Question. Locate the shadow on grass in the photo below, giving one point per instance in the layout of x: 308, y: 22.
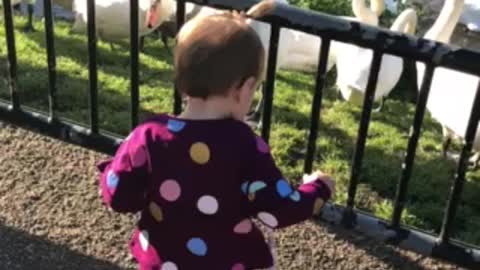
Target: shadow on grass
x: 116, y: 62
x: 73, y: 97
x: 20, y: 250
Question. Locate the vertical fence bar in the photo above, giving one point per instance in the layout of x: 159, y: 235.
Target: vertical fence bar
x: 317, y: 104
x: 412, y: 147
x: 92, y: 66
x: 134, y: 103
x: 177, y: 99
x: 270, y: 81
x: 51, y: 58
x: 456, y: 193
x: 12, y: 55
x: 362, y: 135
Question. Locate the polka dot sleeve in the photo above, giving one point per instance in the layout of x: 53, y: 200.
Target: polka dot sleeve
x: 123, y: 179
x: 272, y: 199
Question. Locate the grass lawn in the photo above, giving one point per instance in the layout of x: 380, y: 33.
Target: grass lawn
x: 386, y: 144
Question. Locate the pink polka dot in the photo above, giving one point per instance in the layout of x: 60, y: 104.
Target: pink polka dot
x: 238, y: 266
x: 262, y: 145
x: 245, y: 226
x: 170, y: 190
x: 139, y: 157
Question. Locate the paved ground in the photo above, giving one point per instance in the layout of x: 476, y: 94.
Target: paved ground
x: 51, y: 218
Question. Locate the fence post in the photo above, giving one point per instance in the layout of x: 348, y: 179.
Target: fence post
x: 134, y: 81
x: 92, y: 66
x: 317, y: 104
x: 12, y: 54
x: 412, y: 147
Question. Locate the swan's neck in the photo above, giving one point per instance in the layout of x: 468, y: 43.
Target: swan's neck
x: 406, y: 22
x: 363, y: 13
x: 443, y: 27
x: 377, y: 6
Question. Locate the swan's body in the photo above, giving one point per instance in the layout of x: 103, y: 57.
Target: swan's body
x: 352, y: 79
x: 113, y: 17
x: 452, y: 92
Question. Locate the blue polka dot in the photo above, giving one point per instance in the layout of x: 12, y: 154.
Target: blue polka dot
x: 283, y: 188
x: 175, y: 125
x: 112, y: 180
x: 256, y: 186
x: 295, y: 196
x: 197, y: 246
x: 244, y: 187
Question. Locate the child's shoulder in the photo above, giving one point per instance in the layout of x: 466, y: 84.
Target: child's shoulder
x: 164, y: 121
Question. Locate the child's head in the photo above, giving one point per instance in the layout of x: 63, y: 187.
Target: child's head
x: 221, y: 56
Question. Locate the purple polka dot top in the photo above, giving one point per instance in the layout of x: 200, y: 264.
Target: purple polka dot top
x: 198, y: 184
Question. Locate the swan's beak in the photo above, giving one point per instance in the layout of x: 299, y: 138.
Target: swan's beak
x: 151, y: 17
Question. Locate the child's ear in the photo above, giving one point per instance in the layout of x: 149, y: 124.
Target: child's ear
x: 249, y: 84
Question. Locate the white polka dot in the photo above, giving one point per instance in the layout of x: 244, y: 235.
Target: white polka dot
x: 143, y: 238
x: 207, y: 205
x: 268, y: 219
x: 169, y: 266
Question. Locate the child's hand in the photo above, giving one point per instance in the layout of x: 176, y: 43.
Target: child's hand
x: 323, y: 177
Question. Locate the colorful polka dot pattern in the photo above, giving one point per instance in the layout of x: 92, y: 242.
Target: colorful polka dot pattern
x: 268, y: 219
x: 245, y: 226
x: 317, y: 206
x: 169, y: 266
x: 200, y: 153
x: 197, y: 246
x: 295, y: 196
x: 175, y: 125
x: 208, y: 205
x: 283, y: 188
x: 238, y: 266
x: 156, y: 211
x: 170, y: 190
x: 256, y: 186
x: 112, y: 181
x: 262, y: 145
x: 244, y: 187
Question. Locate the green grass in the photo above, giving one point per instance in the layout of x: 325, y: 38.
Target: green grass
x: 386, y: 144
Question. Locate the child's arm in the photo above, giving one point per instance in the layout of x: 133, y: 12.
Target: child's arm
x: 123, y: 178
x: 273, y: 200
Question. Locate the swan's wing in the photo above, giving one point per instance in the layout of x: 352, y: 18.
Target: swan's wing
x: 451, y: 98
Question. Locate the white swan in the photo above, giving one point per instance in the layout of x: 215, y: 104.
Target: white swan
x: 304, y: 48
x: 452, y: 92
x: 113, y: 17
x: 352, y: 79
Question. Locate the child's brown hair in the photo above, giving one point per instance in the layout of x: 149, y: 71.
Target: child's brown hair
x: 216, y: 52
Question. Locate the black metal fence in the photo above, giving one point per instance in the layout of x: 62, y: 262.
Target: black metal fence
x: 328, y: 28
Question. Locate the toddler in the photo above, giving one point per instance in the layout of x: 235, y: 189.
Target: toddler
x: 199, y: 178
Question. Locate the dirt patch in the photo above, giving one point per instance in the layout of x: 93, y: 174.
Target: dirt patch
x: 51, y: 217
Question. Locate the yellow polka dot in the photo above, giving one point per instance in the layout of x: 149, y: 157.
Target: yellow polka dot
x: 317, y: 206
x: 251, y: 196
x: 200, y: 153
x: 156, y: 211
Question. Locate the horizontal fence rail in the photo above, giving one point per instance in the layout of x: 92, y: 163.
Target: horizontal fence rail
x: 328, y: 28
